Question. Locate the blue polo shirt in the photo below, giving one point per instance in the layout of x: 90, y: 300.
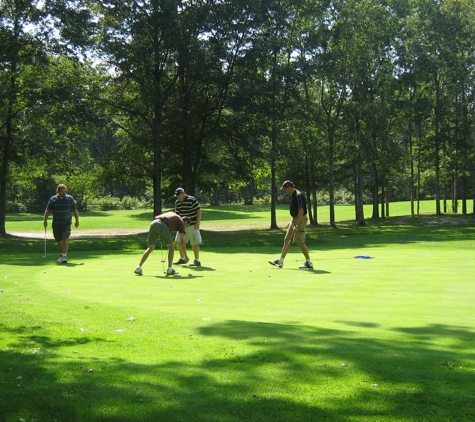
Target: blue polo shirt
x: 62, y: 209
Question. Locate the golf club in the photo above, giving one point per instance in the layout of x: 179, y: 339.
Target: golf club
x: 163, y: 261
x: 44, y: 256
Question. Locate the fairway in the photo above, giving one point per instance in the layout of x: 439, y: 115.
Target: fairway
x: 388, y: 338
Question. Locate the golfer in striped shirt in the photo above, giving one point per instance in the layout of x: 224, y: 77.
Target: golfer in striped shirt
x: 188, y: 206
x: 62, y: 206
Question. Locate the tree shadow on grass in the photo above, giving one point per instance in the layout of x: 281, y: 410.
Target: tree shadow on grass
x: 347, y: 237
x: 74, y: 259
x: 384, y: 232
x: 262, y: 372
x: 213, y: 214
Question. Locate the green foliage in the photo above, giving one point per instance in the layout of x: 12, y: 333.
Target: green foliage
x: 229, y: 98
x: 109, y: 203
x: 342, y: 197
x: 15, y: 207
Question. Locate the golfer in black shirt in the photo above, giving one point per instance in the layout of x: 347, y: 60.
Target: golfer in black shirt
x: 296, y: 227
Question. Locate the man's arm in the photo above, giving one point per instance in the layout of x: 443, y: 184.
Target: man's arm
x: 45, y: 218
x: 182, y: 240
x: 298, y: 219
x: 198, y: 220
x: 76, y: 216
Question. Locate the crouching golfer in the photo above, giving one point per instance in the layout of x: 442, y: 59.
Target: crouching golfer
x: 163, y: 227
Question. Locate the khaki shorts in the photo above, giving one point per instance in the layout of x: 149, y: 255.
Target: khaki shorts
x: 191, y: 234
x: 299, y: 236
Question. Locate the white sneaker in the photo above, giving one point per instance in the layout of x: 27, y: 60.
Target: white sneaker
x: 138, y: 271
x: 60, y: 258
x: 171, y: 271
x: 64, y: 260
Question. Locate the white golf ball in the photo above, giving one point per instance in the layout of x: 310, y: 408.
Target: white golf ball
x: 269, y: 275
x: 250, y: 271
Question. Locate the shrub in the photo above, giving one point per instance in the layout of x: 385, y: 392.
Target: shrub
x: 129, y: 203
x: 15, y: 206
x: 108, y: 203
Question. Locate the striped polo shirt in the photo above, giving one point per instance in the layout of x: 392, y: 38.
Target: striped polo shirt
x: 188, y: 208
x: 62, y: 209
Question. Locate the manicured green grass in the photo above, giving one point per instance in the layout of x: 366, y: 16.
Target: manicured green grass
x: 239, y: 217
x: 382, y: 339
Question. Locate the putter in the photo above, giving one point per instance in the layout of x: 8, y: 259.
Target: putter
x: 163, y: 261
x: 44, y: 256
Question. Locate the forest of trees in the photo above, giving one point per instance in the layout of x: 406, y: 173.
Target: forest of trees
x: 373, y: 100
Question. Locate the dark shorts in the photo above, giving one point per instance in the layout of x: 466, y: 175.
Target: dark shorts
x: 61, y: 231
x: 159, y: 230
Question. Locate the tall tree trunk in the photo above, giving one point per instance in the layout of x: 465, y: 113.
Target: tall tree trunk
x: 411, y: 163
x: 386, y: 196
x: 5, y: 164
x: 249, y: 194
x: 4, y: 173
x: 464, y: 194
x: 273, y: 217
x: 307, y: 189
x: 444, y: 196
x: 473, y: 169
x: 375, y: 190
x: 419, y: 157
x: 331, y: 179
x: 454, y: 192
x: 227, y: 201
x: 157, y: 177
x: 314, y: 193
x: 437, y: 146
x: 359, y: 178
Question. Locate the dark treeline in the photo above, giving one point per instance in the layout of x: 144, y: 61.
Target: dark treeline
x: 358, y: 101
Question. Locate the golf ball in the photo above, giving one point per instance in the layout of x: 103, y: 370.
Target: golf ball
x: 250, y: 271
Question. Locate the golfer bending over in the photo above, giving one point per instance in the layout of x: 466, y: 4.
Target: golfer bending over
x: 296, y: 227
x: 163, y: 227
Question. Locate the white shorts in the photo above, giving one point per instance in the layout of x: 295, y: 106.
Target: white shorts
x: 192, y: 235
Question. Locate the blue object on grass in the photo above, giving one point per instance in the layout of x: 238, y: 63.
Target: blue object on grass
x: 363, y: 256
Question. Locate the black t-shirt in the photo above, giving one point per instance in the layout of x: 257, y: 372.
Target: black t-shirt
x: 297, y: 200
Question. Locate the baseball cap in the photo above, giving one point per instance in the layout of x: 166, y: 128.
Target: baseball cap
x: 287, y: 184
x: 179, y: 191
